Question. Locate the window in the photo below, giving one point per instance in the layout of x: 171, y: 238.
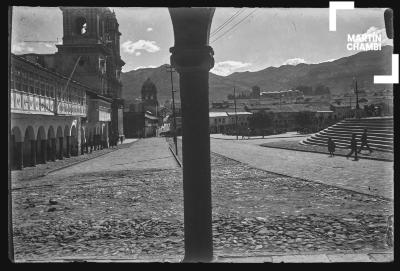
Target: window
x: 42, y: 89
x: 81, y: 26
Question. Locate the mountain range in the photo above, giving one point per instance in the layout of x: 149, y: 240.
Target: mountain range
x: 337, y: 75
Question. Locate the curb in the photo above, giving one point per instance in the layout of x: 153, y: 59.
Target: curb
x: 343, y: 155
x: 261, y: 138
x: 176, y: 157
x: 307, y: 180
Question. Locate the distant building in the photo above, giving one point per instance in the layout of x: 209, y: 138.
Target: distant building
x: 142, y: 117
x: 222, y: 122
x: 149, y: 97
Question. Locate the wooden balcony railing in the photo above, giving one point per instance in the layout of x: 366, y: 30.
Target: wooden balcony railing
x: 29, y: 103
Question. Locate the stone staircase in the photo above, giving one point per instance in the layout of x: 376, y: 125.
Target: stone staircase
x: 379, y: 129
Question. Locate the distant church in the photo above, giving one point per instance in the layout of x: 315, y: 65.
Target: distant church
x: 149, y: 97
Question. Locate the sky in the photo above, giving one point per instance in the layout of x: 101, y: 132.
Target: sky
x: 255, y: 39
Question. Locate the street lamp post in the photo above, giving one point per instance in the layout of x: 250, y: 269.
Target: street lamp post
x: 171, y: 70
x: 236, y: 119
x: 192, y: 57
x: 357, y: 105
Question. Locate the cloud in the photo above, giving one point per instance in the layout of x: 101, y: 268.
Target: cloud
x: 145, y: 67
x: 20, y: 47
x: 149, y: 29
x: 146, y: 45
x: 382, y: 32
x: 48, y: 45
x: 294, y: 61
x: 225, y: 68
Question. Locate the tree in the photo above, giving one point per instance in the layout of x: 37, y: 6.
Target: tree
x: 304, y: 119
x: 260, y: 120
x: 322, y: 90
x: 305, y: 89
x: 255, y: 91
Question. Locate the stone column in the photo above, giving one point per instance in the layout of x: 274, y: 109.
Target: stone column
x: 18, y: 155
x: 193, y: 58
x: 61, y: 153
x: 53, y: 149
x: 33, y: 153
x: 68, y: 152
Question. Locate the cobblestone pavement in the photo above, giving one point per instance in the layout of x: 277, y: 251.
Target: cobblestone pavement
x: 138, y: 213
x: 366, y: 176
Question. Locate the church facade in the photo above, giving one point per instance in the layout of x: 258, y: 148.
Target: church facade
x: 62, y: 104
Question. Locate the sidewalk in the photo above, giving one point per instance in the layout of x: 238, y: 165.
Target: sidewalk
x: 40, y: 170
x: 311, y: 258
x: 298, y: 146
x: 288, y: 258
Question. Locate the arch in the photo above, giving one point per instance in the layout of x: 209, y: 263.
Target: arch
x: 67, y: 131
x: 16, y: 132
x: 29, y: 133
x: 50, y: 132
x: 59, y: 132
x: 73, y: 131
x: 41, y: 134
x: 74, y: 140
x: 80, y: 25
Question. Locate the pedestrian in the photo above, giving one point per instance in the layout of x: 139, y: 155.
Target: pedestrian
x: 331, y: 147
x: 364, y: 142
x: 353, y: 147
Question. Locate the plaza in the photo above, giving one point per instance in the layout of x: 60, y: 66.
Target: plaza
x: 124, y: 207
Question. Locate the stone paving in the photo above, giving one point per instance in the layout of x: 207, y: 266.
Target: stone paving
x: 105, y: 210
x: 366, y: 176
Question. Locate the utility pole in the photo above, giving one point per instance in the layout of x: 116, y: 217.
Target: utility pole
x: 357, y: 105
x: 170, y: 69
x: 236, y: 127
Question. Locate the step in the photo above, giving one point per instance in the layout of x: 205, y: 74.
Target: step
x: 358, y: 136
x: 360, y: 131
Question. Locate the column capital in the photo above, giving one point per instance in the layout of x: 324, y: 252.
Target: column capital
x: 199, y: 58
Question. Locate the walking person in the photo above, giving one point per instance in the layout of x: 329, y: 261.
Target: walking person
x: 353, y: 147
x: 331, y: 147
x: 364, y: 142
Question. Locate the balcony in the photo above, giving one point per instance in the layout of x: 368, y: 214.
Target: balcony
x: 29, y: 103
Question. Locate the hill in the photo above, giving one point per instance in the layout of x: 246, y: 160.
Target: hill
x: 337, y: 75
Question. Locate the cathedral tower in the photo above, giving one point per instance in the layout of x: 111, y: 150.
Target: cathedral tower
x: 91, y: 42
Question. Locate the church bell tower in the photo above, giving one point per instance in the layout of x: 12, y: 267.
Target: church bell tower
x: 91, y: 41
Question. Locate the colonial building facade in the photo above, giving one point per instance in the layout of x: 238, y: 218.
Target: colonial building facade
x: 64, y: 103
